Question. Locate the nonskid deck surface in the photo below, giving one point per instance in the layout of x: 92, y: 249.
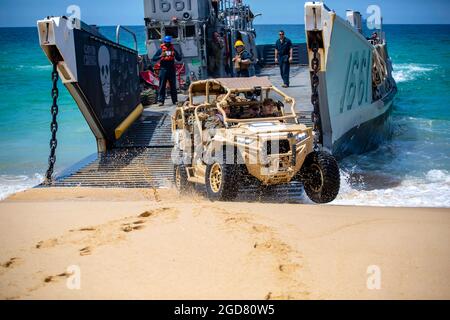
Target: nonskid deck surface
x: 153, y: 130
x: 142, y: 157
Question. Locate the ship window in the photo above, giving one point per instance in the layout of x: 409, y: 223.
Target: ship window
x: 190, y: 32
x: 172, y: 31
x: 154, y: 34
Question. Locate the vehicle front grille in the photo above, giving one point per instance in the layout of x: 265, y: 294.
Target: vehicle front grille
x: 277, y: 147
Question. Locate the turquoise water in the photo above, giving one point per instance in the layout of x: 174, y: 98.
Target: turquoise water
x: 412, y: 169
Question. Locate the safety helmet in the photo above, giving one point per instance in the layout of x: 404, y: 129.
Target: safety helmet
x: 239, y: 43
x: 167, y: 39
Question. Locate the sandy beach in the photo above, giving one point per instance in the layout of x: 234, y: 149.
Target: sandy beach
x: 143, y: 244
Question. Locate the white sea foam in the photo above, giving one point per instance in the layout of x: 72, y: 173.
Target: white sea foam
x: 432, y: 190
x: 10, y: 184
x: 411, y: 71
x: 44, y: 67
x: 25, y: 67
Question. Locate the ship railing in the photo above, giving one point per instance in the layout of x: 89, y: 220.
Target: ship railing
x: 237, y: 16
x: 119, y: 27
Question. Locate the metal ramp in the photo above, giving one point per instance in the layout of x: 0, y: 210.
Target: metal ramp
x: 153, y: 130
x: 140, y: 159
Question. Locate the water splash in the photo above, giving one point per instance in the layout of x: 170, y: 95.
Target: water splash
x: 10, y: 184
x: 411, y: 71
x: 431, y: 190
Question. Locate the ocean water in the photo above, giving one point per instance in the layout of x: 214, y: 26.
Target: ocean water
x: 412, y: 169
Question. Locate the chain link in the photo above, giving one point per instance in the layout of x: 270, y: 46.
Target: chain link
x: 53, y: 126
x: 315, y: 66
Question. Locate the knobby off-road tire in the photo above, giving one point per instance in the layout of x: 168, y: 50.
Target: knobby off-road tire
x: 180, y: 179
x: 221, y: 181
x: 320, y: 177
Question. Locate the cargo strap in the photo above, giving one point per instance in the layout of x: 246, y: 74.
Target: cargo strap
x: 53, y: 126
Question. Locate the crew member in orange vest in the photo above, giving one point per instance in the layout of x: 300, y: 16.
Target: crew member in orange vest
x: 167, y: 55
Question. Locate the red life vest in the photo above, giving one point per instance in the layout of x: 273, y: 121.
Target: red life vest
x: 168, y: 52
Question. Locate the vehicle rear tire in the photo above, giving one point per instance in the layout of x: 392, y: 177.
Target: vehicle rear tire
x: 180, y: 179
x: 221, y: 182
x: 149, y: 97
x: 321, y: 177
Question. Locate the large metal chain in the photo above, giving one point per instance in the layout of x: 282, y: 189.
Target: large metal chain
x: 53, y: 126
x: 315, y: 66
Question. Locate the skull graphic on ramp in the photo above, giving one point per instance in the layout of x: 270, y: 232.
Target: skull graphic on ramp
x: 104, y: 63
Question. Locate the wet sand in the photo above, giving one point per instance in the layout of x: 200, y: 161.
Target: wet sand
x: 142, y: 244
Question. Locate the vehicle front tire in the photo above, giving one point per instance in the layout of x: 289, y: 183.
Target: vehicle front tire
x: 221, y: 182
x: 320, y: 177
x: 180, y: 179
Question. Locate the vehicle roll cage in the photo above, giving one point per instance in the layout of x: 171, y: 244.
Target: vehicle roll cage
x: 216, y: 87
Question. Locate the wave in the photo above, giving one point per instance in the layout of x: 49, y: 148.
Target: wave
x: 10, y: 184
x: 411, y: 71
x: 430, y: 190
x: 21, y: 67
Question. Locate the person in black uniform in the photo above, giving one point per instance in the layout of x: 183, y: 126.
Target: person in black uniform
x: 167, y: 55
x: 284, y: 56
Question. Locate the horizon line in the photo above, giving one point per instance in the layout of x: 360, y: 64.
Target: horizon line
x: 256, y: 24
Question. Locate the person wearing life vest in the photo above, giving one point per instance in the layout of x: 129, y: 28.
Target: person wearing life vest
x: 242, y: 60
x: 166, y: 56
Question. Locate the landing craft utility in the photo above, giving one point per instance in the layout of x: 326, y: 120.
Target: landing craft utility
x: 351, y: 82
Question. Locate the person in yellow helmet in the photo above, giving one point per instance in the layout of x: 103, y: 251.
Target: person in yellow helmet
x: 242, y: 60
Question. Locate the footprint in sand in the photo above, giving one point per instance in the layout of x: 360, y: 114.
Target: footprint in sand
x: 57, y: 277
x: 284, y: 296
x: 10, y: 263
x: 146, y: 214
x: 87, y: 251
x: 137, y: 225
x: 266, y: 242
x: 88, y: 229
x: 92, y: 237
x: 47, y: 244
x: 289, y: 268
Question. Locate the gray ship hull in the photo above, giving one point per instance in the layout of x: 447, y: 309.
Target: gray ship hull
x: 354, y: 102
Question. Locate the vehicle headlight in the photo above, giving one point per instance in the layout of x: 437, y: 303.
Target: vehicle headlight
x: 244, y: 140
x: 301, y: 137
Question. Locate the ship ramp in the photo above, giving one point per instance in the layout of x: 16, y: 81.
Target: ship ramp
x: 142, y: 157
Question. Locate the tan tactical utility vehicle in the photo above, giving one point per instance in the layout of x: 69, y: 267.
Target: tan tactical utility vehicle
x: 232, y: 129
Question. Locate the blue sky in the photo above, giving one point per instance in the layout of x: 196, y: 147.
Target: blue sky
x: 130, y: 12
